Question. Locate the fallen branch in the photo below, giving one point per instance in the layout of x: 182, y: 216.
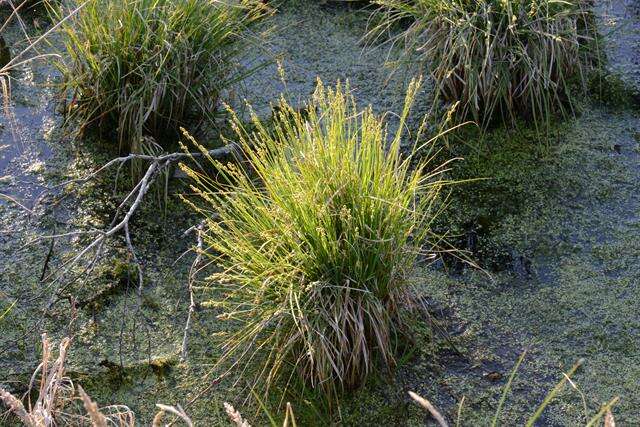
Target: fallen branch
x: 129, y: 205
x: 120, y: 222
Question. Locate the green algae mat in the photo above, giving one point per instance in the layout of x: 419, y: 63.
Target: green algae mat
x: 554, y: 226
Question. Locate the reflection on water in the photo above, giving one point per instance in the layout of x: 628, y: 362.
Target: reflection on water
x: 26, y: 128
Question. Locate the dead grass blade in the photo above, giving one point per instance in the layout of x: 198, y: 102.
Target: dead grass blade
x: 429, y: 407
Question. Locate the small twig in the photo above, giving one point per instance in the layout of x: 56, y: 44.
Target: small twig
x: 47, y: 258
x: 192, y: 304
x: 122, y: 326
x: 16, y: 202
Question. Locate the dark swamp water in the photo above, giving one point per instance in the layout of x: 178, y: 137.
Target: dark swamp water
x: 556, y: 228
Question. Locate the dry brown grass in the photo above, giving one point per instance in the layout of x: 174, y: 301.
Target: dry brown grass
x: 58, y: 399
x: 57, y: 395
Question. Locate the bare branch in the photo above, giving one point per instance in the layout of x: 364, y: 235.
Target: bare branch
x: 157, y: 165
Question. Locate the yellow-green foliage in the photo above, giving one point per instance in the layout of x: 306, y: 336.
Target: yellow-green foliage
x: 316, y: 235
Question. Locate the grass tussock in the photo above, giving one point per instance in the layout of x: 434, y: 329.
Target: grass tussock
x: 316, y: 237
x: 500, y: 59
x: 146, y: 67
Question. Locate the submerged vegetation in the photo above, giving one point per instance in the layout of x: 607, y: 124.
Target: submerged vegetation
x: 499, y: 59
x: 316, y: 241
x: 136, y: 68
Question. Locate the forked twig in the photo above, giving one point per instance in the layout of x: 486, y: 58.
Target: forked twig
x: 129, y: 205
